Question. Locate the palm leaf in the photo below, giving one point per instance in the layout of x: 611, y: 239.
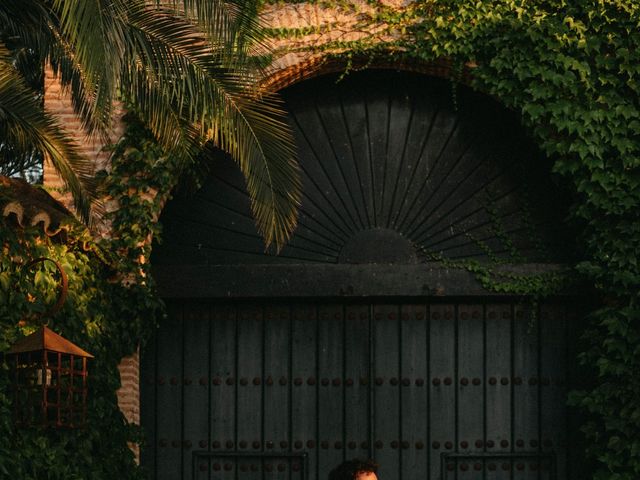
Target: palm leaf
x: 38, y: 39
x: 26, y: 21
x: 222, y: 102
x: 26, y: 126
x: 230, y: 25
x: 93, y: 38
x: 186, y: 64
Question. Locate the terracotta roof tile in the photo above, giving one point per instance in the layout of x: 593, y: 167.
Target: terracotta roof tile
x: 29, y: 205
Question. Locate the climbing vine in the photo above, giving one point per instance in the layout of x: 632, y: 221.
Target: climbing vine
x: 105, y: 318
x: 568, y: 68
x: 110, y: 311
x: 571, y: 69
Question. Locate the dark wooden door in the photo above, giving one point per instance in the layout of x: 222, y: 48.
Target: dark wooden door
x: 286, y: 391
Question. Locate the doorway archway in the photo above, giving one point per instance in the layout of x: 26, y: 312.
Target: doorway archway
x: 352, y: 342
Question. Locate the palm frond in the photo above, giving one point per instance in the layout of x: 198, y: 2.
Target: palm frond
x: 34, y: 31
x: 95, y: 120
x: 230, y: 25
x: 27, y: 23
x: 183, y: 73
x: 93, y: 38
x: 187, y: 65
x: 26, y: 126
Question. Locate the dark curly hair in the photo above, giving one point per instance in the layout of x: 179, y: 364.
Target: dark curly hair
x: 351, y: 468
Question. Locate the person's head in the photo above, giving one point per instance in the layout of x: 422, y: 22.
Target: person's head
x: 355, y: 470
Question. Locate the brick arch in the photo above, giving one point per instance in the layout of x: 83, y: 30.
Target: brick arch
x: 297, y: 70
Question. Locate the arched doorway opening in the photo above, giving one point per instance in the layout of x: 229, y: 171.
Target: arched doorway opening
x: 359, y: 339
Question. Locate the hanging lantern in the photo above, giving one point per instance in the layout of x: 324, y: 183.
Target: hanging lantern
x: 49, y: 378
x: 49, y: 375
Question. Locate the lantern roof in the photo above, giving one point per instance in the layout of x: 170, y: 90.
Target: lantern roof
x: 46, y: 339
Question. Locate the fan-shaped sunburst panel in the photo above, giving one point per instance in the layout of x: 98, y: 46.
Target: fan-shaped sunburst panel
x: 397, y: 168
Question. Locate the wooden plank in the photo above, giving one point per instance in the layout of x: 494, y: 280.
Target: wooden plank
x: 428, y: 159
x: 277, y: 353
x: 414, y: 162
x: 331, y: 433
x: 498, y: 374
x: 321, y: 176
x: 553, y: 398
x: 196, y: 384
x: 377, y: 112
x: 346, y: 175
x: 309, y: 281
x: 456, y: 217
x: 470, y: 381
x: 386, y: 388
x: 454, y: 176
x: 442, y: 389
x: 169, y: 459
x: 358, y: 380
x: 355, y: 114
x: 223, y: 348
x: 414, y: 339
x: 303, y: 383
x: 526, y: 390
x: 445, y: 148
x: 400, y: 113
x: 250, y: 361
x: 337, y: 158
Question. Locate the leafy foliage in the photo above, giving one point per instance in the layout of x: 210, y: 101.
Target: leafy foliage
x: 110, y: 311
x: 571, y: 68
x: 107, y: 319
x: 189, y: 67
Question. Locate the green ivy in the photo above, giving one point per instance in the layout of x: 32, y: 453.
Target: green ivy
x: 94, y: 316
x: 571, y: 69
x: 110, y: 311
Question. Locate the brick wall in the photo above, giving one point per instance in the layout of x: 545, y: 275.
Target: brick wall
x: 129, y: 393
x: 58, y: 102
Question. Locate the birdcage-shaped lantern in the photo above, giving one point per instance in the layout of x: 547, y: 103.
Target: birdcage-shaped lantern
x: 48, y: 377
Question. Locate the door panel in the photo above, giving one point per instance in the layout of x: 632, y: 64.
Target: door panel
x: 391, y: 153
x: 275, y: 391
x: 414, y: 428
x: 442, y: 400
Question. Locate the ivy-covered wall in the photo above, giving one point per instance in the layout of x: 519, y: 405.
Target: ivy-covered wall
x: 111, y: 309
x: 571, y: 69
